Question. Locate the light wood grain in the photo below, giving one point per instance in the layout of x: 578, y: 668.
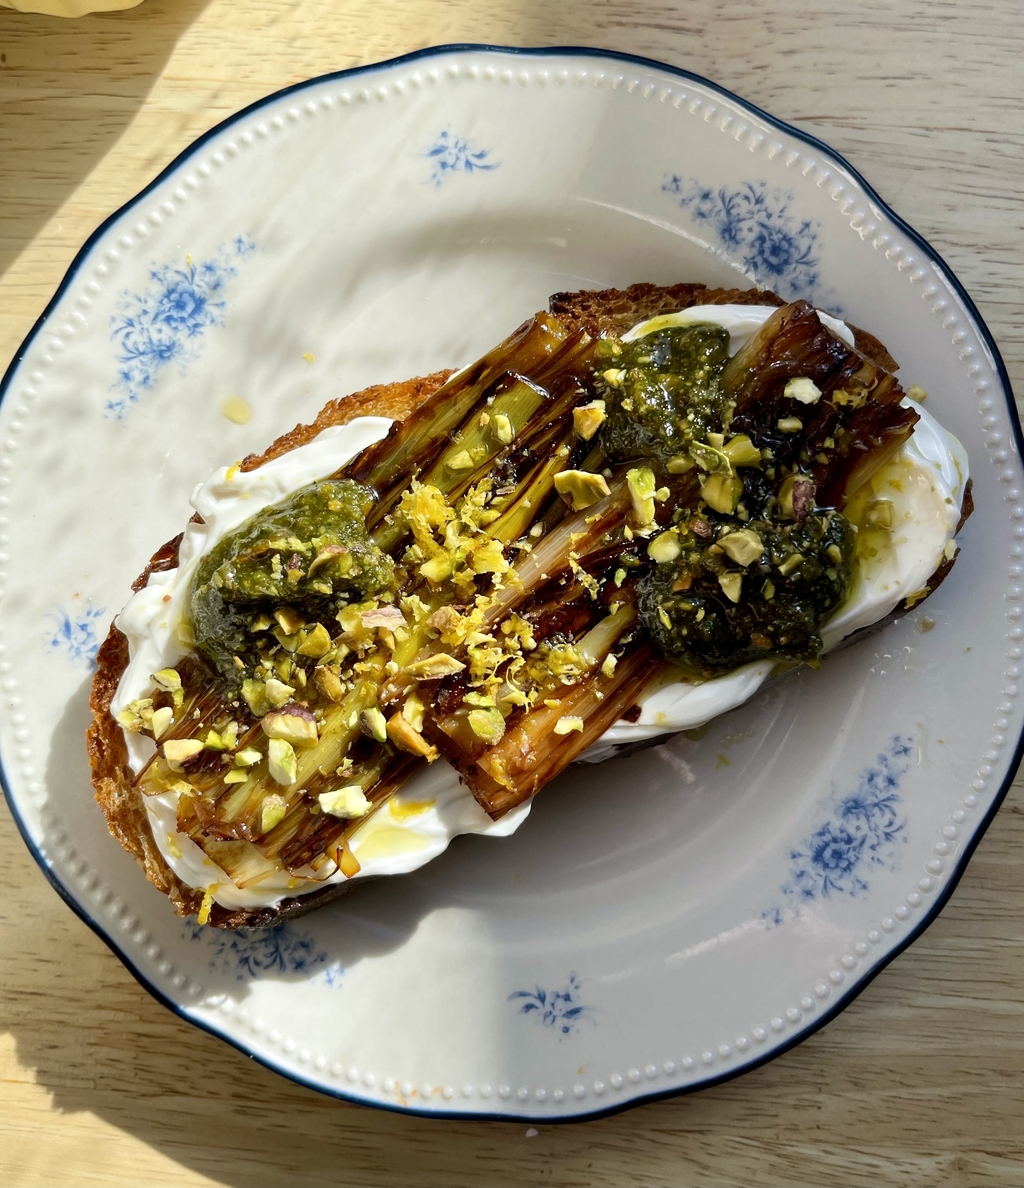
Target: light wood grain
x: 921, y: 1080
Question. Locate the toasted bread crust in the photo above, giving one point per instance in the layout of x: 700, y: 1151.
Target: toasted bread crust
x: 600, y: 312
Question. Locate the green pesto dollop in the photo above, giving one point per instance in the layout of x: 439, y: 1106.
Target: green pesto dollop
x: 785, y: 595
x: 308, y: 551
x: 662, y: 391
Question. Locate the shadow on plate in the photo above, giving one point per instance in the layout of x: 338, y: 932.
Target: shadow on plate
x: 47, y: 65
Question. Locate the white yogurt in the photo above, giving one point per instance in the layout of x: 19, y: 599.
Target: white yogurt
x: 434, y: 807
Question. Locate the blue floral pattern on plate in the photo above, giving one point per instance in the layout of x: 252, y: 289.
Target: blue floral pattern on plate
x: 453, y: 154
x: 166, y: 322
x: 558, y: 1009
x: 865, y: 830
x: 280, y: 949
x: 754, y: 222
x: 74, y: 633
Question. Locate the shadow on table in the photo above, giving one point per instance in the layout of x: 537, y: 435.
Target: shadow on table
x: 105, y: 63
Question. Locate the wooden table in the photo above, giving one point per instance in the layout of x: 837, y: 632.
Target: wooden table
x: 921, y: 1080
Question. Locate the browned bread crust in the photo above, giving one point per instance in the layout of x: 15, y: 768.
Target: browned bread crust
x: 601, y: 312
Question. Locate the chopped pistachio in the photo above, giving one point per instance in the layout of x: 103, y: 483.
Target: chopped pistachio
x: 161, y: 719
x: 437, y: 568
x: 375, y: 724
x: 177, y: 751
x: 316, y: 644
x: 262, y: 621
x: 802, y: 389
x: 789, y: 424
x: 722, y: 492
x: 254, y: 694
x: 879, y: 514
x: 347, y: 803
x: 918, y: 395
x: 272, y: 811
x: 235, y: 775
x: 294, y: 724
x: 835, y: 554
x: 213, y: 741
x: 283, y: 764
x: 614, y: 376
x: 641, y: 485
x: 383, y: 616
x: 680, y: 464
x: 409, y: 740
x: 580, y: 488
x: 619, y: 577
x: 608, y: 667
x: 768, y: 589
x: 665, y: 547
x: 567, y: 723
x: 588, y: 418
x: 412, y: 711
x: 167, y: 679
x: 277, y: 693
x: 432, y: 668
x: 732, y: 585
x: 791, y: 563
x: 487, y: 724
x: 741, y: 451
x: 229, y: 736
x: 289, y: 619
x: 247, y: 757
x: 743, y: 546
x: 503, y: 431
x: 462, y: 460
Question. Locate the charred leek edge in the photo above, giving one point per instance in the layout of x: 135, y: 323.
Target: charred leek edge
x: 510, y: 414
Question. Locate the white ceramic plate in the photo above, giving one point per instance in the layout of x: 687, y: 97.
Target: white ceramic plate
x: 660, y: 922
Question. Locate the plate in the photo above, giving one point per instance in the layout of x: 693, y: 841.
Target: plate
x: 660, y: 922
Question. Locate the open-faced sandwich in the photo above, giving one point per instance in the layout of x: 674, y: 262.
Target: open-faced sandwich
x: 403, y: 620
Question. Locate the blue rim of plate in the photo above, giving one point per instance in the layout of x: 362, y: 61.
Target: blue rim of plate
x: 970, y: 846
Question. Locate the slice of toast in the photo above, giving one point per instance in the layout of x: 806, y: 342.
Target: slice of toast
x: 599, y: 312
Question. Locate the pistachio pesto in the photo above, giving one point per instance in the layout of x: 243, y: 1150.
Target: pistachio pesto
x: 309, y: 551
x: 662, y: 391
x: 741, y: 591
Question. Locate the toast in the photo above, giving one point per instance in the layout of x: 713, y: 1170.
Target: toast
x: 589, y: 315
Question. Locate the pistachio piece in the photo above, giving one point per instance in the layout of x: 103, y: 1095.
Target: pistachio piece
x: 664, y: 547
x: 680, y: 464
x: 328, y: 681
x: 316, y: 644
x: 236, y: 775
x: 277, y: 693
x: 178, y: 751
x: 917, y: 394
x: 588, y: 418
x: 741, y: 451
x: 254, y: 694
x: 409, y: 740
x: 567, y: 723
x: 487, y: 724
x: 789, y: 424
x: 614, y: 376
x: 374, y: 724
x: 412, y: 711
x: 432, y: 668
x: 802, y: 389
x: 283, y: 765
x: 167, y: 679
x: 722, y: 492
x: 347, y: 803
x: 796, y: 497
x: 743, y: 546
x: 462, y: 460
x: 272, y: 811
x: 161, y: 719
x: 437, y: 568
x: 289, y: 619
x: 383, y: 616
x: 732, y: 585
x: 879, y: 514
x: 247, y: 757
x: 503, y: 431
x: 294, y: 723
x: 580, y: 488
x: 641, y: 485
x: 791, y: 563
x: 608, y: 667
